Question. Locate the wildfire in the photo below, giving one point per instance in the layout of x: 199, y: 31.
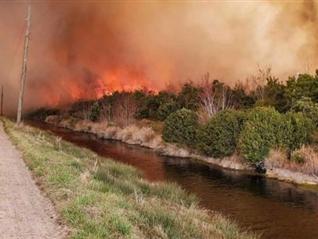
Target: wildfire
x: 111, y: 81
x: 84, y: 51
x: 120, y: 80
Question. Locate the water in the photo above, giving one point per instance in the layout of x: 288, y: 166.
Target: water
x: 272, y: 208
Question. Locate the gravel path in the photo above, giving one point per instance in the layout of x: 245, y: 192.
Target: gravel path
x: 24, y: 212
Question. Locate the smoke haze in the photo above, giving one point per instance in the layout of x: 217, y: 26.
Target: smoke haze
x: 83, y: 49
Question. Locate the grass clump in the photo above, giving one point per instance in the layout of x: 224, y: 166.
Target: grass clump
x: 100, y: 198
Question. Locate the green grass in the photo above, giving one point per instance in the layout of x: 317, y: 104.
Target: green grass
x: 100, y: 198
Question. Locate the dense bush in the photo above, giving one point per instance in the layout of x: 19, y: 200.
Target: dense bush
x: 308, y: 108
x: 266, y: 129
x: 156, y: 107
x: 297, y: 131
x: 218, y: 138
x: 95, y: 112
x: 166, y: 109
x: 189, y: 97
x: 302, y: 85
x: 42, y: 113
x: 240, y: 98
x: 262, y: 131
x: 274, y: 95
x: 181, y: 127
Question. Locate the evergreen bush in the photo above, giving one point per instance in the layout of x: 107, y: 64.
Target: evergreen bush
x: 262, y: 131
x: 218, y: 138
x: 297, y: 131
x: 308, y: 107
x: 181, y: 127
x: 266, y: 129
x: 166, y: 109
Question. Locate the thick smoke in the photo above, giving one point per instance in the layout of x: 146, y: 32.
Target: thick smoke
x: 83, y: 49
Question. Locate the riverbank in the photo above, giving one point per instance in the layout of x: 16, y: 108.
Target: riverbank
x: 146, y: 136
x: 99, y: 198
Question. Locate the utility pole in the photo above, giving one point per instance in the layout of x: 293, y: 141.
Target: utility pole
x: 1, y: 112
x: 24, y: 66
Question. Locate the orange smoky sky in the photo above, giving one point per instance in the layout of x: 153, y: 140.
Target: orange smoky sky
x: 83, y: 49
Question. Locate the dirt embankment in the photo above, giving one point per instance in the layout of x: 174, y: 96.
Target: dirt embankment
x: 145, y: 136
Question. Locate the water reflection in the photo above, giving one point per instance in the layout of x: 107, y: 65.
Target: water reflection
x: 276, y: 209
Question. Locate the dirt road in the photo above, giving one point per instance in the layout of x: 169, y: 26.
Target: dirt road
x: 24, y: 212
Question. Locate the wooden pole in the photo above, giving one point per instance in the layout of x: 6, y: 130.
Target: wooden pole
x: 1, y: 113
x: 1, y: 101
x: 24, y: 66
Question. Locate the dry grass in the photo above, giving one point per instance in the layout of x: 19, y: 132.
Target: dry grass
x: 142, y: 133
x: 310, y: 158
x: 277, y: 159
x: 157, y: 126
x: 304, y: 160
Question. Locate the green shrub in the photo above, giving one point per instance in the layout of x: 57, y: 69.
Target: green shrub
x: 262, y: 131
x: 273, y: 95
x: 181, y: 127
x: 297, y: 131
x: 155, y: 106
x: 302, y: 85
x: 308, y: 108
x: 266, y: 129
x: 218, y: 138
x: 189, y: 97
x: 95, y: 112
x: 166, y: 109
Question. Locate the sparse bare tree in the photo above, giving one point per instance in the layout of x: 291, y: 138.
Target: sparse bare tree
x: 124, y: 109
x: 214, y: 97
x: 86, y: 111
x: 106, y: 111
x: 258, y: 81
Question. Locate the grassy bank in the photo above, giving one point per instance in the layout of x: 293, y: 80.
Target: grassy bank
x: 100, y: 198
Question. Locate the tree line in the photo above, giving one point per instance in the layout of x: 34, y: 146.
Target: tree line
x: 217, y: 119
